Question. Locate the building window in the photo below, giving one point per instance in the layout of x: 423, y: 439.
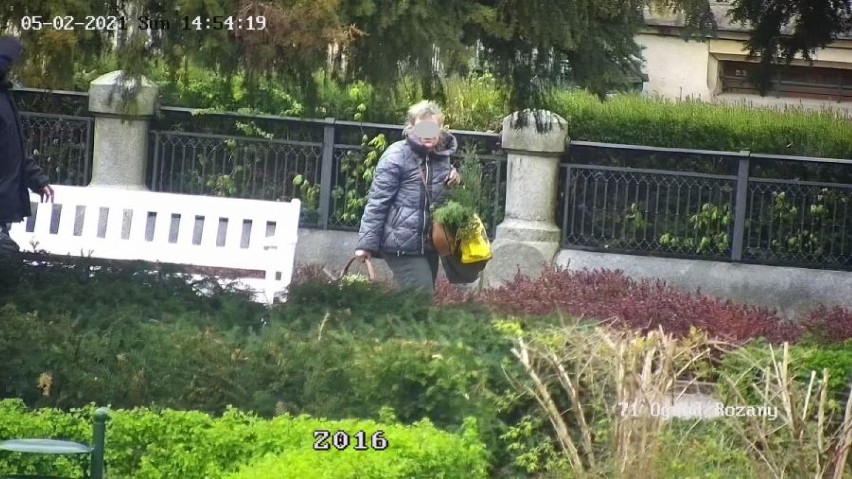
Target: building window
x: 791, y: 81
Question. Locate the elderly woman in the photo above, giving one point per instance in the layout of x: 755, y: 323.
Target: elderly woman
x: 411, y: 176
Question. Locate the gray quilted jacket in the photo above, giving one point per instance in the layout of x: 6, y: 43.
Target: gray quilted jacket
x: 397, y: 220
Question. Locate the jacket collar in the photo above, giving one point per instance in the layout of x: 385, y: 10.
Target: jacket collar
x: 446, y: 146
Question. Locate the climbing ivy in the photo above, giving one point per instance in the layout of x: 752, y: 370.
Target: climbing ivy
x: 804, y: 228
x: 710, y: 232
x: 354, y: 176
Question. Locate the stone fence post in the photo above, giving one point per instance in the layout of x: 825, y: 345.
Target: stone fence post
x: 120, y: 154
x: 528, y: 238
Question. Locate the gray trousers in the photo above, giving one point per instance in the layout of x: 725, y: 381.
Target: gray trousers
x: 414, y: 272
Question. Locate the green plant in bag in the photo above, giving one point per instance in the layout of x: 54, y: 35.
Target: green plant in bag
x: 458, y: 214
x: 453, y: 215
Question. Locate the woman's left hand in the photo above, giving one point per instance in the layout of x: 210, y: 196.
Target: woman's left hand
x: 453, y: 179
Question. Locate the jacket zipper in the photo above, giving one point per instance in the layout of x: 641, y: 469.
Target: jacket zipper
x: 425, y: 208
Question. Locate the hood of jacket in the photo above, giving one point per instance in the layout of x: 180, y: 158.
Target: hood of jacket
x: 10, y: 52
x: 446, y: 147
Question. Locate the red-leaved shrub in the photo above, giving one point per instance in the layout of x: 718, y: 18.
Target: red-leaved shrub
x: 829, y: 324
x: 640, y: 305
x: 447, y: 294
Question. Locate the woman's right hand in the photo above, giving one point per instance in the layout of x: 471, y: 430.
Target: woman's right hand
x: 364, y: 255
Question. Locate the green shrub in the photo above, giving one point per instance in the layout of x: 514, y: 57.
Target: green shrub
x: 16, y: 422
x: 477, y: 103
x: 360, y: 301
x: 49, y: 363
x: 707, y: 449
x: 336, y: 350
x: 417, y: 453
x: 637, y: 120
x: 474, y: 103
x: 745, y: 365
x: 93, y: 295
x: 312, y: 357
x: 148, y: 444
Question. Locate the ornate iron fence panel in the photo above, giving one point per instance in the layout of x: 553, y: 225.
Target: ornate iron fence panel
x: 61, y: 145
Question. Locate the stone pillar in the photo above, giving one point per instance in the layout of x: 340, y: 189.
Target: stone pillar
x: 528, y: 238
x: 120, y: 155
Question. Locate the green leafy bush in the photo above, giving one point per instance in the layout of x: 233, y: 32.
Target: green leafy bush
x: 336, y: 349
x: 162, y: 444
x: 417, y: 453
x: 50, y: 363
x: 139, y: 340
x: 93, y: 292
x: 702, y: 448
x: 474, y: 103
x: 638, y: 120
x: 477, y: 103
x: 745, y: 365
x: 463, y: 202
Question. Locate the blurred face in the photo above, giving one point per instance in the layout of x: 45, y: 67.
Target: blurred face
x: 428, y: 131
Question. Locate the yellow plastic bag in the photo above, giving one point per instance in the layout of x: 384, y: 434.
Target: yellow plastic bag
x: 477, y: 248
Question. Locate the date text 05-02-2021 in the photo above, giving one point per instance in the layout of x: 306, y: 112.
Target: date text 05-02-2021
x: 142, y: 22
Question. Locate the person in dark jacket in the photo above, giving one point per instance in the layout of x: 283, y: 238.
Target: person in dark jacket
x: 18, y: 171
x: 412, y: 175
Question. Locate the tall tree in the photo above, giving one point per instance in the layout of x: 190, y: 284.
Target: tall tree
x: 292, y: 43
x: 52, y: 53
x: 529, y: 44
x: 406, y: 38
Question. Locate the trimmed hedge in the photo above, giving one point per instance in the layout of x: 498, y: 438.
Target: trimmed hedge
x: 49, y: 362
x: 637, y: 120
x: 416, y: 454
x: 340, y: 367
x: 147, y: 444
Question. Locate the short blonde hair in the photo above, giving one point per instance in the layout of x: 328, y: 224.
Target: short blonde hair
x: 421, y: 110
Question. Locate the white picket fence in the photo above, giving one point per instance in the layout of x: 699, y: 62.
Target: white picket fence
x: 196, y: 230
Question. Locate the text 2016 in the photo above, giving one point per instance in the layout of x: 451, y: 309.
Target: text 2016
x: 340, y: 440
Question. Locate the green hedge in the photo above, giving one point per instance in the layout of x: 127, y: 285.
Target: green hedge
x: 346, y: 364
x: 637, y: 120
x: 418, y: 452
x: 143, y: 444
x: 188, y: 367
x: 476, y: 103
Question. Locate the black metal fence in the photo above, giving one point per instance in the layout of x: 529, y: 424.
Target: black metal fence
x: 61, y: 145
x: 744, y: 207
x: 59, y: 131
x: 726, y: 206
x: 325, y: 163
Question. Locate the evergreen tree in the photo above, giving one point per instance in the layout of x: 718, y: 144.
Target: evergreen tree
x: 530, y: 45
x: 292, y: 45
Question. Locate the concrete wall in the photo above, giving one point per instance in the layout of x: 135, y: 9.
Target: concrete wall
x: 676, y: 69
x: 333, y: 249
x: 792, y: 291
